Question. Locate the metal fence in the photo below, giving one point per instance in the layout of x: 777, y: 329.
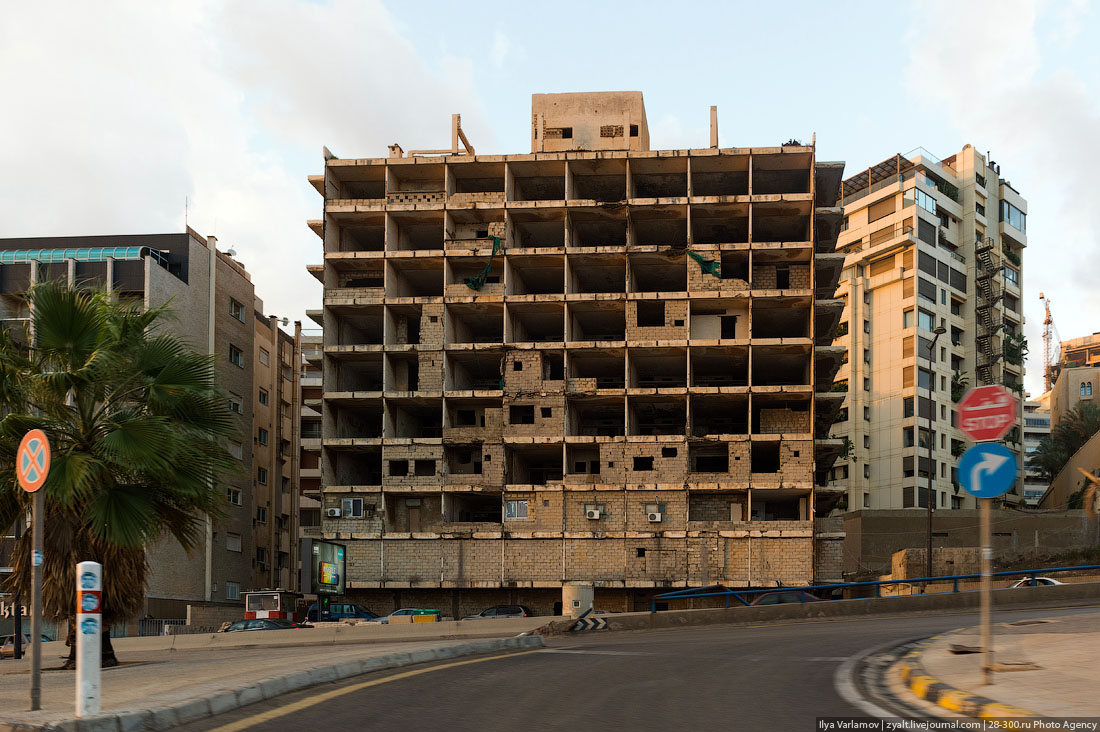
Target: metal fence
x: 914, y: 586
x: 157, y: 626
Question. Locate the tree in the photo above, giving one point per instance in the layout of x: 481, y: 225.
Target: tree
x: 1066, y: 438
x: 135, y: 420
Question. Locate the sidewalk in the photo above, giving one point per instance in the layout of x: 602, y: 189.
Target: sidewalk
x: 1044, y: 668
x: 160, y: 689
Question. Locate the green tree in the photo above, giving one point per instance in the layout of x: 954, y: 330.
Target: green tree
x: 1066, y: 438
x: 135, y: 421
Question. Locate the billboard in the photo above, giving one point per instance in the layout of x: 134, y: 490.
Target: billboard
x: 326, y: 565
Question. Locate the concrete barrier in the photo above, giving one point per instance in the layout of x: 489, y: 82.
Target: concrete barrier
x: 1075, y: 594
x: 331, y: 634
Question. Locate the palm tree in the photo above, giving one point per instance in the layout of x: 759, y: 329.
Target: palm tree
x: 1066, y: 438
x: 135, y: 421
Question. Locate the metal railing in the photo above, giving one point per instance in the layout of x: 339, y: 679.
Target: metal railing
x: 158, y: 626
x: 914, y: 583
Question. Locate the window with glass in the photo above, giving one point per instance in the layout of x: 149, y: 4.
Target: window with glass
x: 1012, y: 275
x: 925, y: 379
x: 232, y: 590
x: 265, y: 357
x: 515, y: 509
x: 262, y: 436
x: 1013, y: 216
x: 925, y: 201
x: 233, y: 496
x: 907, y: 319
x: 926, y: 320
x: 236, y: 309
x: 261, y: 514
x: 264, y: 398
x: 261, y: 476
x: 236, y: 356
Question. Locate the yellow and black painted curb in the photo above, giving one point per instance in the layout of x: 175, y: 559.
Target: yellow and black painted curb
x: 933, y: 690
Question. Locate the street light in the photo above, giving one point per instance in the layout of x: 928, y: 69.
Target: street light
x: 931, y: 442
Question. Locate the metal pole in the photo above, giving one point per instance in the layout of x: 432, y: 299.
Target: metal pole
x: 987, y: 589
x: 17, y: 640
x: 931, y: 440
x: 39, y: 508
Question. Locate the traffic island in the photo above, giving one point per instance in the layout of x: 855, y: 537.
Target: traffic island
x: 1042, y: 668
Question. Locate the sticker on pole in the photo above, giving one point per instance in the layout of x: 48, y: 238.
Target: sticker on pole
x: 987, y: 470
x: 987, y: 412
x: 32, y: 461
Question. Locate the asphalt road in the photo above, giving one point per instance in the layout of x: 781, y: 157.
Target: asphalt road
x: 775, y: 677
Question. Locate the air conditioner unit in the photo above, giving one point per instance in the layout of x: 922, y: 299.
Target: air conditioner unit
x: 655, y: 517
x: 333, y: 512
x: 593, y: 513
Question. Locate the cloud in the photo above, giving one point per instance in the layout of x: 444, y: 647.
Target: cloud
x: 1035, y: 120
x: 124, y: 109
x: 501, y: 46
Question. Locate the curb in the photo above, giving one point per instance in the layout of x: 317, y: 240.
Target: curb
x: 170, y: 717
x: 933, y: 690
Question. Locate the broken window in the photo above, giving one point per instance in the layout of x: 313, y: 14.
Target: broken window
x: 425, y: 467
x: 765, y: 457
x: 521, y: 414
x: 643, y: 463
x: 651, y: 314
x: 399, y: 467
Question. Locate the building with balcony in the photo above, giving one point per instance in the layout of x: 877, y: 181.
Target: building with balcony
x: 593, y: 363
x: 215, y: 311
x: 309, y: 463
x: 930, y: 245
x: 1036, y: 427
x: 275, y: 454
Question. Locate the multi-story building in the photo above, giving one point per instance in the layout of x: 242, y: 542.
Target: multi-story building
x: 211, y: 296
x: 1036, y: 427
x: 309, y: 470
x: 593, y: 363
x: 275, y: 455
x: 931, y: 245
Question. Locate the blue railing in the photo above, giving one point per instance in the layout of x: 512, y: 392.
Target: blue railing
x: 740, y: 595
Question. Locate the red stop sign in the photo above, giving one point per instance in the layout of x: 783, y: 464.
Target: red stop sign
x: 987, y: 412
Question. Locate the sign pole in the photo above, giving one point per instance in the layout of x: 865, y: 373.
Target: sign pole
x: 89, y: 622
x: 17, y: 641
x: 36, y: 600
x: 32, y: 465
x: 987, y: 590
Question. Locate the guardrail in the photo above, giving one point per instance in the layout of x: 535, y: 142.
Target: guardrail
x: 692, y: 593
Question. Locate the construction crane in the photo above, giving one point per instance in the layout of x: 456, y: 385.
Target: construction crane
x: 1050, y: 352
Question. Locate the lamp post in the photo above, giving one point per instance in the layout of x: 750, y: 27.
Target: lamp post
x: 931, y: 441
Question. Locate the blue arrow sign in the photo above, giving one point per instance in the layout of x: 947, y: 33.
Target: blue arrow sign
x: 987, y: 470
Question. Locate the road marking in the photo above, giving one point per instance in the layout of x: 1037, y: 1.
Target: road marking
x: 594, y: 653
x: 319, y: 698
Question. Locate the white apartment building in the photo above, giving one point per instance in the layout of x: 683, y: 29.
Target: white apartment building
x: 931, y: 245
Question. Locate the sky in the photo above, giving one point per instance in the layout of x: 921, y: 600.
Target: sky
x: 117, y: 112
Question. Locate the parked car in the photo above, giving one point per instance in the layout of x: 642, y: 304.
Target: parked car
x: 1036, y: 582
x: 7, y: 644
x: 502, y: 611
x: 406, y: 611
x: 263, y: 624
x: 341, y: 611
x: 783, y: 597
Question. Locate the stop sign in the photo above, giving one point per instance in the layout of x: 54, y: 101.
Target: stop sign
x: 987, y: 412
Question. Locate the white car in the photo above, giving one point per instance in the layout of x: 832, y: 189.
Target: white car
x: 1036, y: 582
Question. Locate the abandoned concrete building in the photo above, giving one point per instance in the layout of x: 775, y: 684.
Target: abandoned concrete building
x: 593, y: 363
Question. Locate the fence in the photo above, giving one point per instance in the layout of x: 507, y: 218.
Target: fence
x: 158, y: 626
x: 914, y: 586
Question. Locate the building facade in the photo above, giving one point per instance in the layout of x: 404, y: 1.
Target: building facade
x: 211, y: 297
x: 593, y: 363
x: 930, y: 244
x: 309, y: 461
x: 1036, y: 427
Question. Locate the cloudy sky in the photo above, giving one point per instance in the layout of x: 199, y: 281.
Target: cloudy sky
x: 115, y: 112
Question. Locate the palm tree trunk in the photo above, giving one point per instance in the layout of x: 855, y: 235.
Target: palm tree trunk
x: 107, y: 657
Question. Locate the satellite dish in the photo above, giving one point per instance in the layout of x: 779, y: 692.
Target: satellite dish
x: 231, y: 252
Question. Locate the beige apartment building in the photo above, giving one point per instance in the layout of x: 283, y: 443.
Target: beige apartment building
x: 309, y: 462
x: 930, y: 244
x: 275, y: 454
x: 594, y: 363
x: 215, y: 311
